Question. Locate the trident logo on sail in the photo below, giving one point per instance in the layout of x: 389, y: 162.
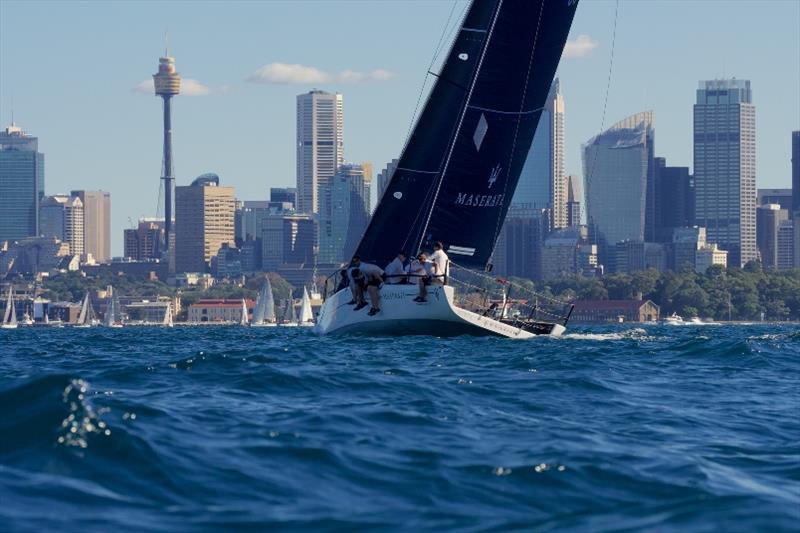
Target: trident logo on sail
x: 494, y: 175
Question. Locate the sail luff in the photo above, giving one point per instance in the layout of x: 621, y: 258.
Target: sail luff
x: 270, y: 302
x: 306, y: 314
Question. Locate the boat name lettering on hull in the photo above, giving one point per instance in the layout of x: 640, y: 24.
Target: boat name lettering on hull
x: 479, y: 200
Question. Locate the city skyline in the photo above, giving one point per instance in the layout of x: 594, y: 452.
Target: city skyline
x: 244, y: 130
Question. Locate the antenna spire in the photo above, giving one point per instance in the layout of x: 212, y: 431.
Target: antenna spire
x: 166, y: 44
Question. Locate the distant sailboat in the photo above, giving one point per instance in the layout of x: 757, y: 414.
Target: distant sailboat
x: 243, y: 320
x: 168, y: 322
x: 85, y: 316
x: 306, y: 314
x: 10, y: 315
x: 264, y: 313
x: 112, y: 318
x: 289, y: 319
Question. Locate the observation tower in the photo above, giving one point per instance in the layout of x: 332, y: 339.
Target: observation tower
x: 167, y: 83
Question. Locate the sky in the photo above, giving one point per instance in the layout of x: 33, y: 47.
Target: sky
x: 77, y: 75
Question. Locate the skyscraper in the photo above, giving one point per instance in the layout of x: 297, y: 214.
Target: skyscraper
x: 617, y: 164
x: 342, y: 223
x: 96, y: 223
x: 204, y: 221
x: 167, y: 83
x: 543, y: 183
x: 62, y: 217
x: 573, y: 201
x: 768, y: 220
x: 673, y: 200
x: 21, y: 183
x: 320, y: 146
x: 725, y: 166
x: 145, y: 241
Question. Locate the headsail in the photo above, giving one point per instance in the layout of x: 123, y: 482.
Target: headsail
x: 458, y: 172
x: 10, y: 315
x: 265, y: 304
x: 83, y: 316
x: 243, y: 319
x: 306, y: 314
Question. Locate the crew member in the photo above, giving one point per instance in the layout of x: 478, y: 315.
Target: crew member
x: 396, y: 270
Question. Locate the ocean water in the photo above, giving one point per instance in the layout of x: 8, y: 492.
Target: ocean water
x: 618, y: 428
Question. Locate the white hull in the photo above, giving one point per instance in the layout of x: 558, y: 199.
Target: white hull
x: 400, y: 315
x: 8, y: 326
x: 264, y: 325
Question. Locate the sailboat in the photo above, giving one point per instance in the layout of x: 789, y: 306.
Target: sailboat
x: 288, y: 319
x: 168, y: 321
x: 10, y: 315
x: 456, y: 177
x: 306, y: 314
x: 112, y: 318
x: 85, y: 317
x: 243, y: 319
x: 264, y: 313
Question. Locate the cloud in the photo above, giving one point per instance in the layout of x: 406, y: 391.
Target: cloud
x: 189, y: 87
x: 582, y: 46
x: 284, y: 73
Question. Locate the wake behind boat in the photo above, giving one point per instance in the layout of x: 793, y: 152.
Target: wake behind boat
x: 456, y: 176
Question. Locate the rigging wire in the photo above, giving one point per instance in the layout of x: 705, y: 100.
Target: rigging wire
x: 436, y: 52
x: 608, y: 90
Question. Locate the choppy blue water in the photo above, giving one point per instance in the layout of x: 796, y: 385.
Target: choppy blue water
x: 617, y: 428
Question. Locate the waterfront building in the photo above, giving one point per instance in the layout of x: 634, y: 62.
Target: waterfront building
x: 204, y: 221
x: 287, y: 239
x: 219, y: 311
x: 725, y: 166
x: 385, y: 175
x: 618, y: 165
x: 543, y: 182
x: 96, y: 223
x: 21, y: 184
x: 320, y: 146
x: 674, y: 199
x: 594, y: 311
x: 768, y: 219
x: 342, y: 223
x: 62, y: 217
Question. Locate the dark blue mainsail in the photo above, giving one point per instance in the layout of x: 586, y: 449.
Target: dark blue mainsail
x: 460, y: 167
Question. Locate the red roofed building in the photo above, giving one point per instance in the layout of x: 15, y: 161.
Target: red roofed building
x: 615, y: 311
x: 220, y: 311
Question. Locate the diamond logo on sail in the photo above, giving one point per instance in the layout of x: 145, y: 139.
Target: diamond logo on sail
x: 480, y: 132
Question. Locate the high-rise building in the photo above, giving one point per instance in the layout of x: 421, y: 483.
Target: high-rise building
x: 96, y: 223
x: 768, y: 219
x: 167, y: 83
x: 204, y: 221
x: 21, y: 184
x: 573, y: 201
x: 62, y: 217
x: 145, y: 242
x: 287, y: 239
x: 618, y: 165
x: 782, y: 197
x: 725, y: 166
x: 673, y: 199
x: 384, y: 176
x: 796, y: 195
x: 320, y: 146
x: 543, y: 182
x: 283, y: 195
x: 518, y: 251
x: 343, y: 221
x: 685, y: 243
x: 567, y: 252
x: 249, y: 219
x: 785, y: 254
